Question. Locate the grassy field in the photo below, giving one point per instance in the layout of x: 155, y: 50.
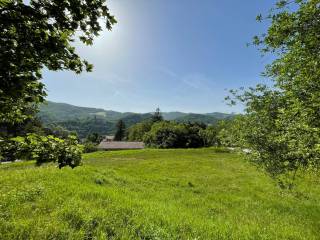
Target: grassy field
x: 155, y: 194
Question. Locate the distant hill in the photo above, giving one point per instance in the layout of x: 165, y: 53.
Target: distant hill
x: 173, y: 115
x: 203, y: 118
x: 84, y: 120
x: 51, y: 111
x: 220, y: 115
x: 87, y: 126
x: 134, y: 118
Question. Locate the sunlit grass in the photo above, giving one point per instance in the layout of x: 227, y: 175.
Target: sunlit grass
x: 154, y: 194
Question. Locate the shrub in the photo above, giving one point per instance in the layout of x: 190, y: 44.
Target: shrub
x: 166, y: 135
x: 174, y: 135
x: 230, y: 132
x: 193, y: 137
x: 137, y: 131
x: 94, y: 138
x: 9, y: 150
x: 43, y: 149
x: 89, y: 147
x: 210, y: 136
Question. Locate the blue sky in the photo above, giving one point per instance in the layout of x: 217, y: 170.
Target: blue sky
x: 179, y: 55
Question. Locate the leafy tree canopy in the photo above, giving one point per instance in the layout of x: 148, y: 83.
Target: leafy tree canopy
x: 137, y: 131
x: 283, y: 122
x: 40, y: 34
x: 170, y: 134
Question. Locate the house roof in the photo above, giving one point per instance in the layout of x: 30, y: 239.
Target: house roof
x: 120, y: 145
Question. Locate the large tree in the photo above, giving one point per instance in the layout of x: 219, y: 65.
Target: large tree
x: 283, y: 121
x: 39, y: 34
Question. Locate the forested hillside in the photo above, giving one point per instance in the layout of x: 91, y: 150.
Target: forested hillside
x: 84, y: 120
x: 57, y: 112
x: 203, y: 118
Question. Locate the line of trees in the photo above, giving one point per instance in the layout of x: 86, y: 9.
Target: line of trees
x: 159, y: 133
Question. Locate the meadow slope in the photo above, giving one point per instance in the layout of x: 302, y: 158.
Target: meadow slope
x: 155, y: 194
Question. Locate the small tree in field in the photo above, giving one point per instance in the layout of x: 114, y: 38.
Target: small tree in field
x: 121, y: 131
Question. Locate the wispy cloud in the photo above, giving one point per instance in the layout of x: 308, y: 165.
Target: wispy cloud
x: 196, y: 81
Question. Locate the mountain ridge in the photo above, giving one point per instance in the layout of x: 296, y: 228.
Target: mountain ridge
x: 86, y: 120
x: 66, y: 111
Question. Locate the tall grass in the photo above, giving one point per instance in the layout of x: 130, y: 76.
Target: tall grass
x: 154, y: 194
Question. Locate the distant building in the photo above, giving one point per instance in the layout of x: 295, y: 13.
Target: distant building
x: 108, y: 139
x: 114, y: 145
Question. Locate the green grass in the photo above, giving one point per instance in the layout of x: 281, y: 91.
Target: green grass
x: 154, y: 194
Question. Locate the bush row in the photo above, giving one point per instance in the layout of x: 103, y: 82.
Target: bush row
x: 42, y: 149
